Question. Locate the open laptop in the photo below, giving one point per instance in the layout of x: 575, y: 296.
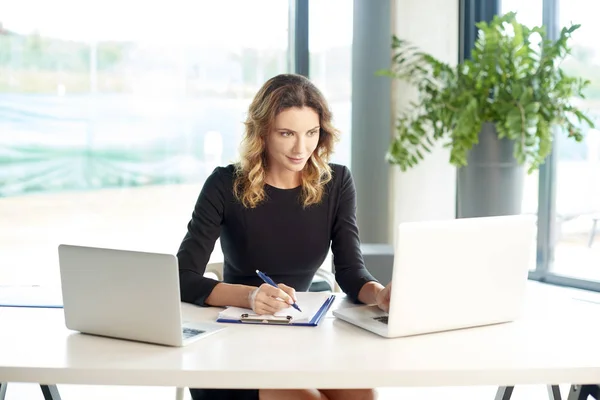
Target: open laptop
x: 125, y: 294
x: 453, y: 274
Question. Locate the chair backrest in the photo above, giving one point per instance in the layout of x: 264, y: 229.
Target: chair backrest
x: 324, y: 273
x: 215, y: 268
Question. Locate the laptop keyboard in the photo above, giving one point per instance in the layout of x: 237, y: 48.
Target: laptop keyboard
x: 190, y: 332
x: 383, y: 319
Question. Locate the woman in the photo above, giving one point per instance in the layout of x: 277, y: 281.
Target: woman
x: 278, y: 210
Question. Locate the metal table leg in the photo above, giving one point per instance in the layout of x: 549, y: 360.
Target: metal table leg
x: 504, y: 392
x: 582, y: 392
x: 2, y: 390
x: 593, y: 232
x: 554, y: 392
x: 594, y: 391
x: 50, y: 392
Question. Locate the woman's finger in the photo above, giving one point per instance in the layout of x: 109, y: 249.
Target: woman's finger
x: 276, y: 303
x: 273, y: 302
x: 263, y: 308
x: 276, y: 292
x: 289, y: 290
x: 388, y: 294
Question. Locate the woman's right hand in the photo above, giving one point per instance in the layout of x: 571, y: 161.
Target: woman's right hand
x: 383, y: 297
x: 267, y: 299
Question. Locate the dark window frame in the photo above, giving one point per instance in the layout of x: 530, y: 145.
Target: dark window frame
x: 298, y: 54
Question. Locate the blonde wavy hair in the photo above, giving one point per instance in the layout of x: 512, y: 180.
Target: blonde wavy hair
x: 276, y: 95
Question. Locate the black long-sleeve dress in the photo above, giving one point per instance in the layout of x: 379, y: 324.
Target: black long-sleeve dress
x: 279, y: 237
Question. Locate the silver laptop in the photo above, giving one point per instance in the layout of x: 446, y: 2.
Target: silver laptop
x: 125, y: 294
x: 453, y: 274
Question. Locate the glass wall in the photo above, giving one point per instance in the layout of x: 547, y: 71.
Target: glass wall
x: 577, y: 249
x: 529, y: 12
x: 330, y: 64
x: 574, y: 248
x: 112, y: 114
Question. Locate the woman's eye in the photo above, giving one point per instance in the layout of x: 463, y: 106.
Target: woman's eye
x: 312, y: 133
x: 286, y: 134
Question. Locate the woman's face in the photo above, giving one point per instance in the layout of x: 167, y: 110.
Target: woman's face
x: 294, y: 137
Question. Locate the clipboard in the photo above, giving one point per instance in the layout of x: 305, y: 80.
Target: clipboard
x: 30, y: 297
x: 281, y: 320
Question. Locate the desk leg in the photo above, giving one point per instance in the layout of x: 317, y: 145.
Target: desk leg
x: 554, y: 392
x: 2, y: 390
x: 581, y: 392
x: 504, y: 392
x: 50, y: 392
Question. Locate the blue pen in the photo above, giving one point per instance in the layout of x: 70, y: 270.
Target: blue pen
x: 268, y: 280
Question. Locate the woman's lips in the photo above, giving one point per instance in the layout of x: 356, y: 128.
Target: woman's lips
x: 295, y: 160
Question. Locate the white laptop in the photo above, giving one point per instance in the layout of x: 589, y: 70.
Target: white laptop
x: 125, y: 294
x: 453, y: 274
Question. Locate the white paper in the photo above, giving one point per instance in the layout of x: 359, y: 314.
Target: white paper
x: 309, y: 302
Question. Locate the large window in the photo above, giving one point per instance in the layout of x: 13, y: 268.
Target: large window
x: 112, y: 114
x: 571, y: 253
x: 577, y: 249
x: 330, y: 64
x: 529, y: 12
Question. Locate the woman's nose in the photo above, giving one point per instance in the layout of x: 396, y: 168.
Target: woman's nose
x: 299, y: 144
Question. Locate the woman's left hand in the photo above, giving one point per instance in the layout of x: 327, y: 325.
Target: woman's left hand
x: 383, y: 297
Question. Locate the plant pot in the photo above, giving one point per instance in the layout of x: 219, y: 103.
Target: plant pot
x: 492, y: 182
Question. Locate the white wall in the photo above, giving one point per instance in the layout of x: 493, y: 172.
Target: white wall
x: 427, y: 191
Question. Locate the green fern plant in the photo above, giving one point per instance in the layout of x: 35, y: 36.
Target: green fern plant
x: 513, y: 80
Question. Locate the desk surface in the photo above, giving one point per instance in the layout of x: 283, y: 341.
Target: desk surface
x: 549, y: 345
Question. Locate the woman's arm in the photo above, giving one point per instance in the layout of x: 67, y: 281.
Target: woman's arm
x: 368, y: 293
x: 265, y: 299
x: 350, y: 271
x: 194, y: 252
x: 225, y: 294
x: 202, y: 232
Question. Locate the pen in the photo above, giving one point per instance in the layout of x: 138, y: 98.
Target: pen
x: 269, y: 281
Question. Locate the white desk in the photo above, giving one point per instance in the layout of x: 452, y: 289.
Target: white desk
x: 548, y: 346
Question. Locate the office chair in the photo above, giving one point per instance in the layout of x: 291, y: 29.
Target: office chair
x: 324, y: 274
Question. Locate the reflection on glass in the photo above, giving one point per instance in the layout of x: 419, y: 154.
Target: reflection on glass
x: 577, y: 251
x: 112, y: 114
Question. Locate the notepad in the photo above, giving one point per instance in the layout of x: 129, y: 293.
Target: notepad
x: 30, y: 296
x: 313, y: 305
